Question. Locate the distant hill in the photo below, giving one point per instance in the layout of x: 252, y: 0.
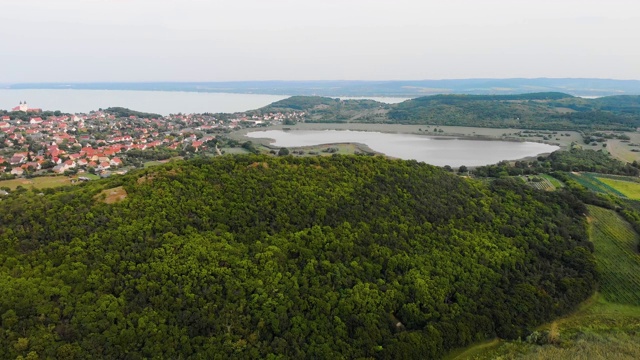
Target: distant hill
x: 124, y: 112
x: 413, y: 88
x: 547, y: 110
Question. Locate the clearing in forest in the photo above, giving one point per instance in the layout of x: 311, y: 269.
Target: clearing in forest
x: 113, y: 195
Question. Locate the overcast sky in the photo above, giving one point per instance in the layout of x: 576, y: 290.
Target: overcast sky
x: 213, y: 40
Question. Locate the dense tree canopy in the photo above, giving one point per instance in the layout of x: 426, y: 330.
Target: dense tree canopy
x: 124, y: 112
x: 282, y: 257
x: 547, y: 110
x: 575, y: 159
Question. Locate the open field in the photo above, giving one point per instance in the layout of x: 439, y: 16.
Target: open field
x: 234, y: 150
x: 111, y: 196
x: 623, y: 150
x: 607, y: 326
x: 42, y: 182
x: 629, y: 189
x: 593, y: 183
x: 160, y: 162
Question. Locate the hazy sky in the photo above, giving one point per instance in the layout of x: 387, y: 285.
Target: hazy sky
x: 212, y: 40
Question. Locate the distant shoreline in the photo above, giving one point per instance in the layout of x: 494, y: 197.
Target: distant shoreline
x: 364, y: 88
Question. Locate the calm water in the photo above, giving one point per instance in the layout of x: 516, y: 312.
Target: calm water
x: 435, y: 151
x: 160, y: 102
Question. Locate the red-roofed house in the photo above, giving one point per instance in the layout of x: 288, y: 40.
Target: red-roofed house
x: 116, y: 161
x: 17, y: 171
x: 196, y: 144
x: 104, y: 166
x: 34, y: 165
x: 17, y: 159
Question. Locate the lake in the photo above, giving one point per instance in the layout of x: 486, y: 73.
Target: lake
x: 437, y: 151
x: 160, y: 102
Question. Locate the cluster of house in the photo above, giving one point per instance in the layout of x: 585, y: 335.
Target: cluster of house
x: 59, y: 161
x: 99, y: 139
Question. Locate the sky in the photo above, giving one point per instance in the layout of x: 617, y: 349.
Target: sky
x: 237, y: 40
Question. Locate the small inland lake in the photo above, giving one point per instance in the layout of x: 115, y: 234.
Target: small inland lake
x: 439, y: 151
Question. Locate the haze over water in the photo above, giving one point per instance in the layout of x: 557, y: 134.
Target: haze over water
x: 160, y: 102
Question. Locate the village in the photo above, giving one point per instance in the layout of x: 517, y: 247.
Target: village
x: 35, y: 142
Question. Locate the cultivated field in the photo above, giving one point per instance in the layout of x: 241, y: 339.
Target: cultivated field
x: 616, y: 250
x: 607, y: 326
x: 542, y: 182
x: 628, y: 188
x: 594, y: 183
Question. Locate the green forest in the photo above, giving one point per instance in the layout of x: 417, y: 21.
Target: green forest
x: 281, y: 257
x: 574, y: 159
x: 542, y: 111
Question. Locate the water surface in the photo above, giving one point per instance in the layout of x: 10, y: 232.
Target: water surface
x: 431, y: 150
x: 159, y: 102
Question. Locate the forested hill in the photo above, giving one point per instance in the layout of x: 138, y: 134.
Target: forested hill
x: 254, y: 257
x: 549, y: 110
x: 124, y: 112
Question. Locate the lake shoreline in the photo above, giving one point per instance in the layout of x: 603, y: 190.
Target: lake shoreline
x: 448, y: 133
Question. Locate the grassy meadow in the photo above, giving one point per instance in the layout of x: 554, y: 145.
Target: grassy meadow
x: 629, y: 189
x: 624, y: 150
x: 595, y: 183
x: 42, y: 182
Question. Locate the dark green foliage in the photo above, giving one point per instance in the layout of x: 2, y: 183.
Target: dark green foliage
x: 159, y: 153
x: 590, y: 160
x: 575, y: 159
x: 302, y: 103
x: 547, y: 110
x: 256, y: 257
x: 530, y: 111
x: 248, y: 145
x: 124, y: 112
x: 324, y: 109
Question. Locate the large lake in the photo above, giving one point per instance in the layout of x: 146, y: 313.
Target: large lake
x: 160, y: 102
x: 431, y: 150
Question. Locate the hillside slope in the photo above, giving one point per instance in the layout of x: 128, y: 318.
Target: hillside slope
x: 548, y: 111
x: 252, y: 257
